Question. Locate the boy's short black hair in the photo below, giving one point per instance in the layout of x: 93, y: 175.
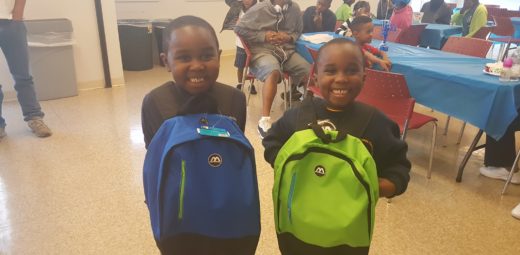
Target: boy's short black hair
x: 184, y: 21
x: 339, y: 40
x: 359, y: 5
x: 358, y: 21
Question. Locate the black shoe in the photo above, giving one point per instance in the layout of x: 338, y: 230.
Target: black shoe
x: 253, y: 90
x: 296, y: 95
x: 239, y: 86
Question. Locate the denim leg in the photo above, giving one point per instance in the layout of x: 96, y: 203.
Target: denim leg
x: 14, y: 46
x: 2, y: 120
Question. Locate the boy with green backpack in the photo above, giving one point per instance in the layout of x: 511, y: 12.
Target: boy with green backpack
x: 333, y: 158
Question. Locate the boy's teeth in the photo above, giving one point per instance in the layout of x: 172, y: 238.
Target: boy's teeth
x: 339, y: 91
x: 196, y: 79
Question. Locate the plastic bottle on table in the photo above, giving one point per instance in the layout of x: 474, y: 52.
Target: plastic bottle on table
x: 505, y: 74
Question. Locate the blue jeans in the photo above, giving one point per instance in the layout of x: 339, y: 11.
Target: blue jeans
x: 13, y: 42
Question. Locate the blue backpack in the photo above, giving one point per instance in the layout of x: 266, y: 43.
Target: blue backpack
x: 200, y: 178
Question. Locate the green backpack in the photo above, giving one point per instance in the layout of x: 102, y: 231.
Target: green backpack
x: 326, y: 186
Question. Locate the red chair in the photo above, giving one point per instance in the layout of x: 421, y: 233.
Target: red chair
x: 483, y: 33
x: 504, y: 27
x: 389, y: 93
x: 393, y: 36
x: 513, y: 13
x: 247, y: 75
x: 496, y: 11
x: 467, y: 46
x: 312, y: 88
x: 411, y: 35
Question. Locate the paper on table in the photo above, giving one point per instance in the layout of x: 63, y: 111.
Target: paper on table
x: 317, y: 38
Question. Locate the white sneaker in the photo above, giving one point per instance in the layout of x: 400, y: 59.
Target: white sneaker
x: 499, y: 173
x: 516, y: 211
x: 264, y: 124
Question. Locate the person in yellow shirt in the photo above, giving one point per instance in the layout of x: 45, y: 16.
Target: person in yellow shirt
x: 472, y: 17
x: 344, y: 11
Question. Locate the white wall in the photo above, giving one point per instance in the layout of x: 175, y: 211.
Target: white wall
x: 212, y: 11
x: 89, y: 67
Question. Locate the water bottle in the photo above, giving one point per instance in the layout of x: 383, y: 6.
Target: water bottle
x: 505, y: 74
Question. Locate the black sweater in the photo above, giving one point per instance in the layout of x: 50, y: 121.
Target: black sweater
x: 389, y: 152
x: 164, y: 102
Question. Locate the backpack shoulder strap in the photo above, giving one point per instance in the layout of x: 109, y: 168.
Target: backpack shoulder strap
x: 224, y: 100
x: 364, y: 114
x: 306, y: 118
x: 167, y: 100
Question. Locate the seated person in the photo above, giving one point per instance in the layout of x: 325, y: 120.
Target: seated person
x: 472, y: 17
x: 384, y: 9
x: 319, y: 18
x: 362, y: 29
x: 402, y: 16
x: 500, y: 156
x: 271, y: 28
x: 436, y: 11
x: 344, y: 11
x: 361, y: 8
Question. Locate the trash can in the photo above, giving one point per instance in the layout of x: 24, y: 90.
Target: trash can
x: 51, y: 58
x: 158, y: 27
x: 135, y: 39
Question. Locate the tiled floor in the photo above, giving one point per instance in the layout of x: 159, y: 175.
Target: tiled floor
x: 80, y: 191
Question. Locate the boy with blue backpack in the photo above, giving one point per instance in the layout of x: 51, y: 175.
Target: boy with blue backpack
x: 199, y: 173
x: 333, y: 158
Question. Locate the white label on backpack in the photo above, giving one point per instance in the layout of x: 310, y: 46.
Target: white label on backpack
x: 215, y: 160
x: 319, y: 171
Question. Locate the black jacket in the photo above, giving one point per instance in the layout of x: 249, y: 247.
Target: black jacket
x: 389, y: 151
x: 165, y: 101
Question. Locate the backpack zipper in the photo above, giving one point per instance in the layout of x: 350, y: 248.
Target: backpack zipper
x: 291, y: 193
x: 181, y: 190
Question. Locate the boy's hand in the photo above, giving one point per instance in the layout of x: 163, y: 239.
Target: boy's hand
x: 318, y: 19
x: 270, y: 37
x: 386, y: 188
x: 385, y: 65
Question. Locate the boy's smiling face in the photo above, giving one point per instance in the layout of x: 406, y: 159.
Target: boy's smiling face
x: 193, y: 58
x: 364, y: 33
x: 340, y: 74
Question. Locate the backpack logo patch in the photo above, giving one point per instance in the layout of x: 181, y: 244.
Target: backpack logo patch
x: 215, y: 160
x: 319, y: 171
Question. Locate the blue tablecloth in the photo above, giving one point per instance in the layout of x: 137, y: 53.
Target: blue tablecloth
x: 453, y: 84
x: 435, y: 35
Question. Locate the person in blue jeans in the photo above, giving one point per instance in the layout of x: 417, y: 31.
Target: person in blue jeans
x: 13, y: 42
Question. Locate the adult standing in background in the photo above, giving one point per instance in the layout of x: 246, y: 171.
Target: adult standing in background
x: 472, y: 17
x: 13, y: 42
x: 319, y: 18
x: 436, y: 11
x: 402, y: 16
x: 384, y: 9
